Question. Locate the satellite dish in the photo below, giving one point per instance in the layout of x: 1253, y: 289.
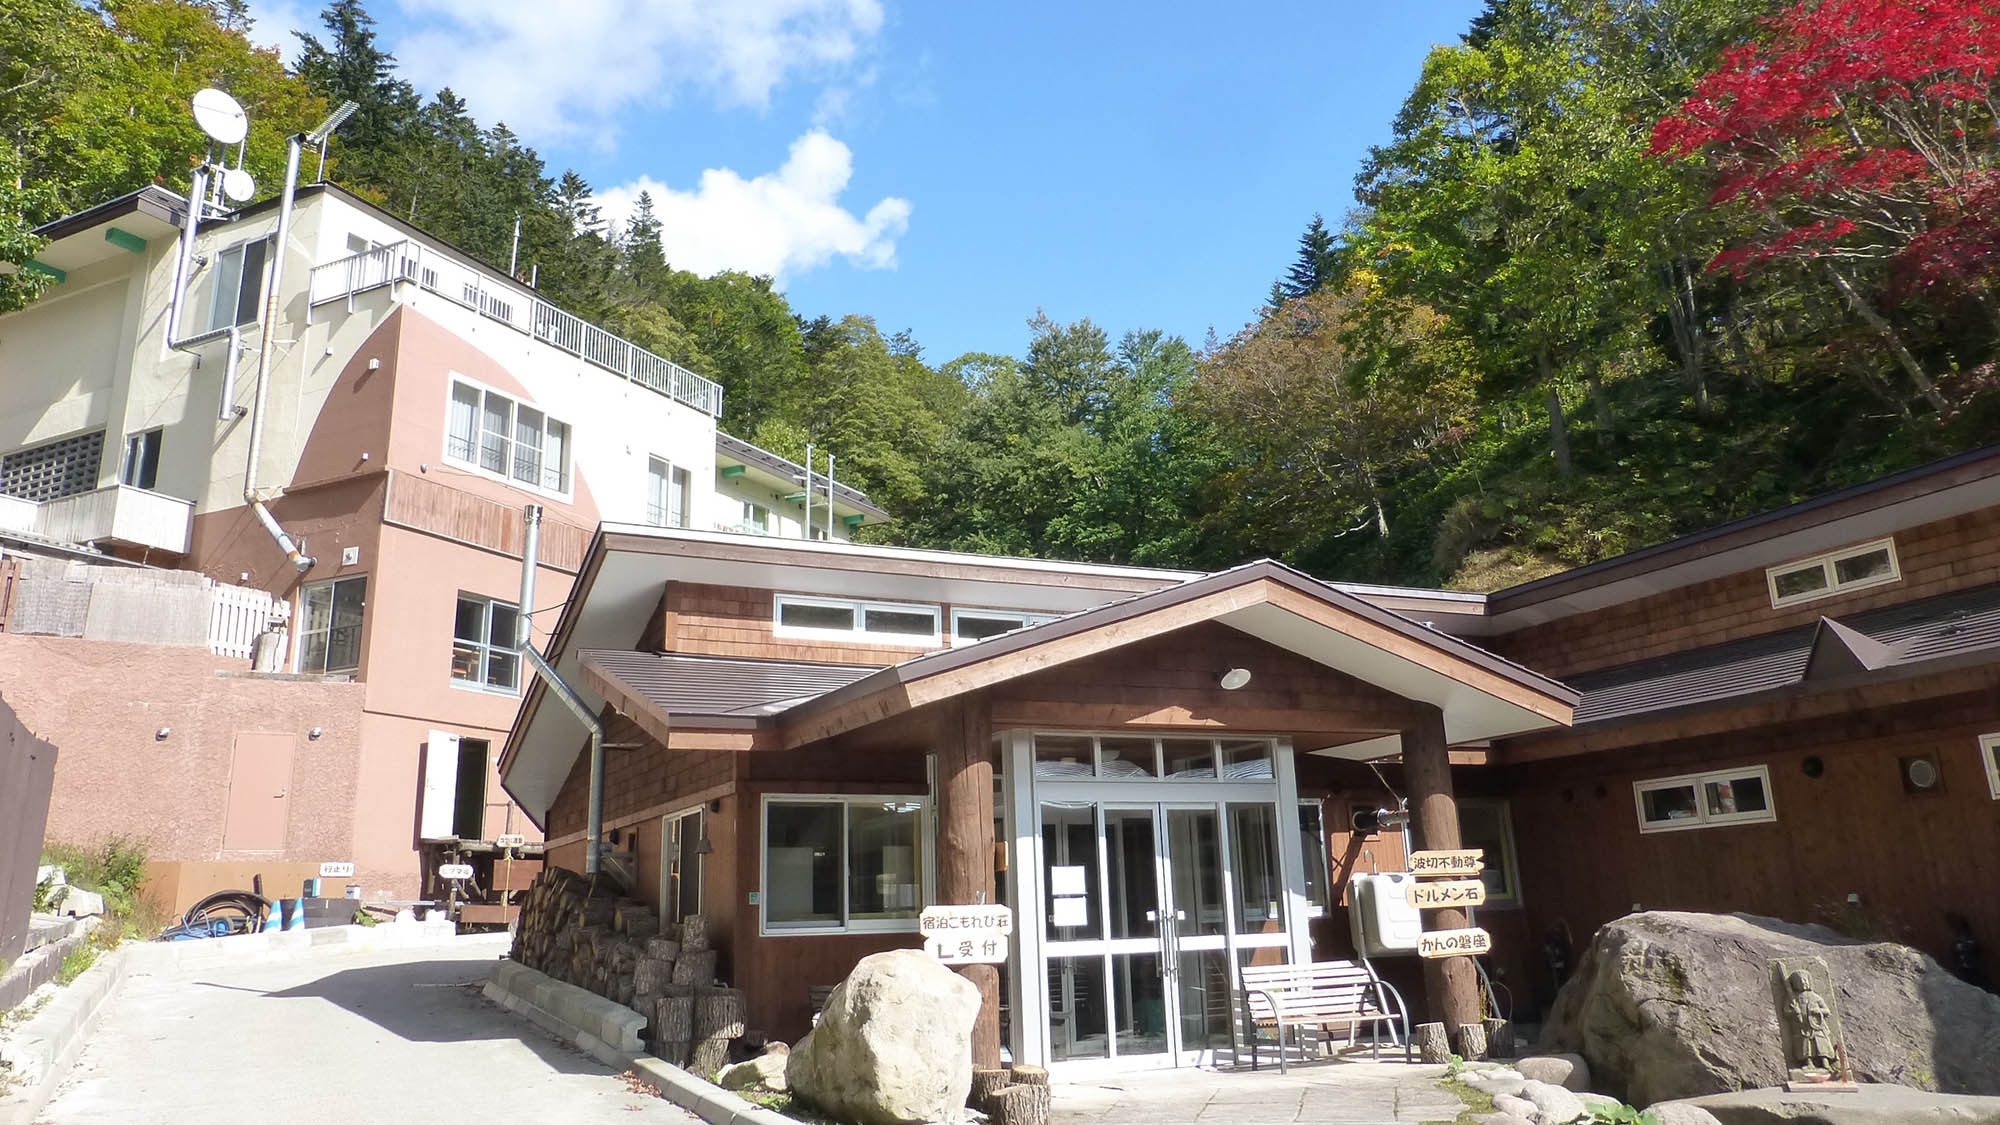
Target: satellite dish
x: 220, y: 117
x: 238, y: 186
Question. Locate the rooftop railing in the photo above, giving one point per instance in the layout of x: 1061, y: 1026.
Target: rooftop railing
x: 417, y: 264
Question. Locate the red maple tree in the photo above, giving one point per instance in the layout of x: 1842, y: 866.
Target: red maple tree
x: 1860, y: 131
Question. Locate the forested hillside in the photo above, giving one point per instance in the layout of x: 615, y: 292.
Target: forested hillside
x: 1624, y: 269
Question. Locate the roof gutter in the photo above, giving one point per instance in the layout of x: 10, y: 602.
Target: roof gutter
x: 531, y: 541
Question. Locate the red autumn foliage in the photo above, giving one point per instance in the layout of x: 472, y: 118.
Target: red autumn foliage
x: 1860, y: 129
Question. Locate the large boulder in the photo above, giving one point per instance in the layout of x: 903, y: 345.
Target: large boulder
x: 1870, y: 1105
x: 1671, y: 1005
x: 893, y: 1045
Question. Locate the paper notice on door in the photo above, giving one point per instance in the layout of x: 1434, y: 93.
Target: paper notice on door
x: 1072, y: 911
x: 1067, y: 881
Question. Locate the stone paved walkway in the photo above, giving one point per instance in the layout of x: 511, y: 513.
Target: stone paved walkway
x: 1335, y: 1093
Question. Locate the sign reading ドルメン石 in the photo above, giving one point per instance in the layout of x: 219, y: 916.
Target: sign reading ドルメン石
x: 1455, y: 943
x: 1463, y: 861
x: 1445, y: 894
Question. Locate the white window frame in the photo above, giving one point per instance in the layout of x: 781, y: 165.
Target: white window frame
x: 486, y: 646
x: 1507, y: 858
x: 751, y: 524
x: 514, y: 405
x: 1828, y: 566
x: 1026, y: 619
x: 217, y: 320
x: 859, y: 633
x: 669, y: 825
x: 1989, y: 757
x: 132, y: 470
x: 301, y: 618
x: 926, y: 876
x: 1324, y: 906
x: 667, y: 475
x: 1702, y: 818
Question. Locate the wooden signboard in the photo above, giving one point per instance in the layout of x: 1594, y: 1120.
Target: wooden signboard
x: 1455, y: 943
x: 1468, y: 861
x: 1444, y: 894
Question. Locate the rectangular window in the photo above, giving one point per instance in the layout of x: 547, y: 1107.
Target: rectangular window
x: 1836, y: 572
x: 53, y: 469
x: 1312, y: 844
x: 666, y: 494
x: 1989, y: 757
x: 1706, y: 800
x: 482, y: 645
x: 1488, y: 826
x: 684, y: 842
x: 968, y: 625
x: 238, y: 284
x: 842, y: 863
x: 142, y: 459
x: 489, y: 431
x: 756, y: 518
x: 330, y: 625
x: 887, y: 622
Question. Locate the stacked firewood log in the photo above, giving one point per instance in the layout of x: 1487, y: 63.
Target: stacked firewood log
x: 613, y: 946
x: 1017, y: 1095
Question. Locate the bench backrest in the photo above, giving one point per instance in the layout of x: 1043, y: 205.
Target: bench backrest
x: 1330, y: 989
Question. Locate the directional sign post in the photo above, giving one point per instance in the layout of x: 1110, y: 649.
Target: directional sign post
x: 1469, y: 861
x: 455, y: 870
x: 1455, y: 943
x: 966, y: 935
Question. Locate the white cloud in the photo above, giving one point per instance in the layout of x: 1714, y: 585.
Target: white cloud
x: 550, y: 68
x: 272, y: 23
x: 781, y: 223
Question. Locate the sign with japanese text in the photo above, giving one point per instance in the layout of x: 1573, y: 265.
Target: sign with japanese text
x: 1455, y: 943
x: 454, y: 871
x: 1468, y: 861
x: 966, y: 935
x: 336, y: 871
x: 1446, y: 893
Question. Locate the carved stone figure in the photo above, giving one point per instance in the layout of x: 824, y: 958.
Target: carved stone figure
x: 1814, y: 1053
x: 1811, y: 1025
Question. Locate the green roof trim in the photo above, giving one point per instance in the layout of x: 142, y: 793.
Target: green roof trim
x: 732, y: 470
x: 796, y: 498
x: 46, y: 270
x: 125, y: 240
x: 854, y: 520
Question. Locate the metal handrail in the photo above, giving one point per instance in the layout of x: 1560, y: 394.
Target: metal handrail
x: 412, y: 262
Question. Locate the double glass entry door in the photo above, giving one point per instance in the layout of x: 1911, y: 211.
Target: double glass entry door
x: 1147, y: 907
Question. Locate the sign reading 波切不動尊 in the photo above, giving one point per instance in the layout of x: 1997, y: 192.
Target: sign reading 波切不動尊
x: 966, y: 935
x: 1463, y: 861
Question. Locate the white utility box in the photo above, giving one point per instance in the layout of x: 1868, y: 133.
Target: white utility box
x: 1380, y: 914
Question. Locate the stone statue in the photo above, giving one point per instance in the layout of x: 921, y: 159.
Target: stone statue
x: 1811, y: 1025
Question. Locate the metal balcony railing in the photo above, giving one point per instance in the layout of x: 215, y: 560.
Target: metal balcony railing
x: 416, y: 264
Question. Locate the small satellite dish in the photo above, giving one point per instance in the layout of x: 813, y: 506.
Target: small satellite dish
x: 238, y: 186
x: 219, y: 116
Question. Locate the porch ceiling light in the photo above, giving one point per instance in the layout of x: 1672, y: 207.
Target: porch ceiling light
x: 1233, y: 678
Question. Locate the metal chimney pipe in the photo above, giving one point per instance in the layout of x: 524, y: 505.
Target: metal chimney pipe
x: 829, y: 497
x: 530, y: 557
x: 299, y: 559
x: 806, y: 524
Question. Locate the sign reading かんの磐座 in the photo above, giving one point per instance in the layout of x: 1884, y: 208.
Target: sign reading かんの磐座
x: 1462, y: 861
x: 1446, y: 894
x: 1454, y: 943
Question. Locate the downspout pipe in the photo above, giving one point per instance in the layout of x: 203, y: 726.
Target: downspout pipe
x: 530, y: 551
x: 265, y: 343
x: 184, y: 259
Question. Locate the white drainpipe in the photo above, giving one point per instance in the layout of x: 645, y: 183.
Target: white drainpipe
x: 299, y: 559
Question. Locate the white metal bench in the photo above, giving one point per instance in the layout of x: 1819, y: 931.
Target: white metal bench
x: 1323, y: 994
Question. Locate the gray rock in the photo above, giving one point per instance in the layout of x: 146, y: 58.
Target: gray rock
x: 1870, y: 1105
x: 1681, y: 1113
x: 1514, y: 1106
x: 1668, y: 1005
x: 1553, y: 1104
x: 1502, y: 1119
x: 1499, y: 1086
x: 1595, y: 1102
x: 893, y: 1045
x: 766, y: 1070
x: 1568, y: 1071
x: 79, y: 903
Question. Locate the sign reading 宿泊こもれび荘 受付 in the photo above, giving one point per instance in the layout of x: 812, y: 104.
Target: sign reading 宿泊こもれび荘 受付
x: 1445, y: 894
x: 1464, y: 861
x: 966, y: 935
x: 1454, y: 943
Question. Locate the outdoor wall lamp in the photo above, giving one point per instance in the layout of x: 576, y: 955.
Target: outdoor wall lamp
x: 315, y: 733
x: 1233, y: 678
x: 161, y: 734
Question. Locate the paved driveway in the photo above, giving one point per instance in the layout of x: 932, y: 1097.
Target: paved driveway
x: 341, y: 1038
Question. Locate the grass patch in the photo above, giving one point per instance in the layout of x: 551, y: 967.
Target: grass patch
x: 114, y: 869
x: 778, y: 1101
x: 76, y: 963
x: 1476, y: 1102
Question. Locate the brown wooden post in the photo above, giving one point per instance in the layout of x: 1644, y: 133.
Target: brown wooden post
x: 965, y: 845
x: 1451, y: 982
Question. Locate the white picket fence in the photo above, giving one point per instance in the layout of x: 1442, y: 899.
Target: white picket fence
x: 237, y: 616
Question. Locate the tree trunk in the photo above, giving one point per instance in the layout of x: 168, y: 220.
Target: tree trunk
x: 1021, y: 1105
x: 1451, y: 983
x: 965, y: 846
x: 1875, y: 320
x: 1471, y: 1041
x: 1558, y: 427
x: 1607, y: 422
x: 1381, y: 518
x: 1433, y: 1046
x: 986, y: 1083
x: 1685, y: 318
x: 1499, y: 1039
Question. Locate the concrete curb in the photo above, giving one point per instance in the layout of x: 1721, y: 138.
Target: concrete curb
x: 595, y: 1024
x: 167, y: 957
x: 44, y: 1048
x: 39, y: 965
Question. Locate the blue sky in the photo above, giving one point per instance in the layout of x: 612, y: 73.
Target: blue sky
x: 948, y: 166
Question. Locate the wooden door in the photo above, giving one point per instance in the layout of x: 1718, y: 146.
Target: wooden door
x: 260, y: 780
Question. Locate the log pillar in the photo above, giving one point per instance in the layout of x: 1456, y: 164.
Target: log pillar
x: 965, y: 845
x: 1451, y: 982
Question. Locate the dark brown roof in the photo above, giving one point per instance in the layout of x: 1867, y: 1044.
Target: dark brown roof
x: 711, y: 685
x: 1963, y: 626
